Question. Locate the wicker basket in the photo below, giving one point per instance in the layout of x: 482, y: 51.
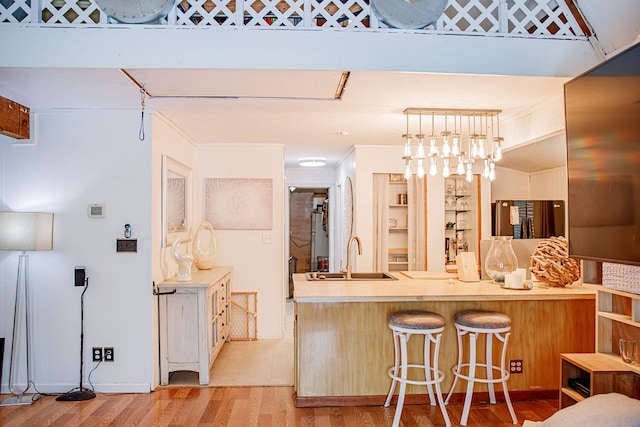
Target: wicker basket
x: 621, y: 277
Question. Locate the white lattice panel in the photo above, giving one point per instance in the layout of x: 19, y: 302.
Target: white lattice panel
x: 478, y: 16
x: 338, y: 13
x: 15, y: 11
x: 206, y: 12
x: 274, y: 13
x: 540, y: 17
x: 76, y: 12
x: 518, y: 17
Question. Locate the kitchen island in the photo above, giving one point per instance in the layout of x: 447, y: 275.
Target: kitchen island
x: 343, y: 346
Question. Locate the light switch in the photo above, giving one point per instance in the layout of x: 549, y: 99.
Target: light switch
x: 267, y: 239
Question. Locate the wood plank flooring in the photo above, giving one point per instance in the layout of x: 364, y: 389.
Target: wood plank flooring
x: 244, y: 407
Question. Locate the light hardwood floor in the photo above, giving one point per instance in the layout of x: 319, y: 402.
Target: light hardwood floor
x: 250, y: 405
x: 245, y: 407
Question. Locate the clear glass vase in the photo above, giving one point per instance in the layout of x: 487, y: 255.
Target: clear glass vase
x: 500, y: 259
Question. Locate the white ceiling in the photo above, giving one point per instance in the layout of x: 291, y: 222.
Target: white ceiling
x: 297, y: 108
x: 294, y: 108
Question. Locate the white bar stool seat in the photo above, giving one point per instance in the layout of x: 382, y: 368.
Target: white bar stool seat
x: 404, y: 324
x: 492, y: 324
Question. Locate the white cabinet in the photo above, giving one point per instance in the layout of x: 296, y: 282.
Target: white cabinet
x: 194, y: 322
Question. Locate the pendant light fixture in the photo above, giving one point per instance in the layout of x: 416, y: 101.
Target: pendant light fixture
x: 481, y: 138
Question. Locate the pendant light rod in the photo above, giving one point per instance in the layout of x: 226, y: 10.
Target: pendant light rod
x: 450, y: 111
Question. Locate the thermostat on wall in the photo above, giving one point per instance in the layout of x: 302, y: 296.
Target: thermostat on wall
x: 97, y: 210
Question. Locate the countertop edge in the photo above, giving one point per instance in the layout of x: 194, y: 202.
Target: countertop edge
x: 200, y: 278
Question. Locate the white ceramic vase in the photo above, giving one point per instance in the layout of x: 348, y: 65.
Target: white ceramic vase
x: 184, y: 261
x: 204, y: 247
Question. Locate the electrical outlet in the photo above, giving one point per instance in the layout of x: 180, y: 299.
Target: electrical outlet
x: 126, y: 245
x: 96, y: 354
x: 515, y: 366
x: 108, y: 354
x: 80, y: 276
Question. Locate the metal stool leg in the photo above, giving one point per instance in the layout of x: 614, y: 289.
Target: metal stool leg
x: 489, y: 363
x: 428, y: 368
x: 403, y: 375
x: 470, y: 381
x: 395, y: 367
x: 505, y: 376
x: 456, y: 368
x: 436, y: 375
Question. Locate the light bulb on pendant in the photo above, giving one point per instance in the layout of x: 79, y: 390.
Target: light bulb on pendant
x: 460, y: 167
x: 420, y: 169
x: 407, y: 169
x: 433, y: 169
x: 446, y: 148
x: 492, y: 171
x: 485, y: 170
x: 455, y: 144
x: 497, y: 156
x: 469, y: 174
x: 481, y: 150
x: 433, y: 148
x: 420, y: 154
x: 474, y: 147
x: 407, y: 146
x: 446, y: 171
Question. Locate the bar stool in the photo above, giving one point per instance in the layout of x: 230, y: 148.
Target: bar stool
x: 492, y: 324
x: 404, y: 324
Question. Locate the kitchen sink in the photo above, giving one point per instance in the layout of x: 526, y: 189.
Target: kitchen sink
x: 373, y: 276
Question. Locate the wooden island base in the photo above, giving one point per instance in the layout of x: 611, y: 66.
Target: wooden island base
x: 344, y: 346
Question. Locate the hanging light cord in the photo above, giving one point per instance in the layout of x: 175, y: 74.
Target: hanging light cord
x: 143, y: 94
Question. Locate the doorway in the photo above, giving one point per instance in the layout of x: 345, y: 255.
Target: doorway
x: 308, y: 231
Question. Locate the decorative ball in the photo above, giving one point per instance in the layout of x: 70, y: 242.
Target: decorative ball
x: 550, y: 263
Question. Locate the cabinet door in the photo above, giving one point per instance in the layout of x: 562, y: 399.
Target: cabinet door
x: 182, y: 328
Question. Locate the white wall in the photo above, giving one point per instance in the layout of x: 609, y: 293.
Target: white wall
x: 166, y: 140
x: 257, y: 266
x: 82, y: 158
x: 345, y: 169
x: 550, y: 184
x: 510, y: 185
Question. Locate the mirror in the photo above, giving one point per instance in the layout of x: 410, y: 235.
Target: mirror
x: 176, y: 190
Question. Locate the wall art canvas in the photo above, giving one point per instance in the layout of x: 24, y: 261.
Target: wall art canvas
x: 239, y: 203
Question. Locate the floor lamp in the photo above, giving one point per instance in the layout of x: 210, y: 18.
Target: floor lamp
x: 23, y: 231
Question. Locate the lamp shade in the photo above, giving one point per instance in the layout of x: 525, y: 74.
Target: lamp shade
x: 26, y: 231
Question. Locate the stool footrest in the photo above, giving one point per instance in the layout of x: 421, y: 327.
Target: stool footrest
x: 503, y: 372
x: 437, y: 378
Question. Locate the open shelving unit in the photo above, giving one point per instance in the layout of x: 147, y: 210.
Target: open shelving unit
x: 398, y: 223
x: 461, y: 213
x: 617, y: 316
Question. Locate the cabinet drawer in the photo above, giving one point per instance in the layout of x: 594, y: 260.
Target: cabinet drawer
x: 222, y: 297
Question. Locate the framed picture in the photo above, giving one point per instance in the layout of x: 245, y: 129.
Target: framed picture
x: 239, y: 203
x: 176, y: 200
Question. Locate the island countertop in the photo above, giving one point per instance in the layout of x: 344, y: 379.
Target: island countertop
x: 407, y: 288
x: 344, y: 345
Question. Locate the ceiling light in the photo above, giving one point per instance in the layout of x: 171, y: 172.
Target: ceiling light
x: 312, y: 162
x: 480, y: 138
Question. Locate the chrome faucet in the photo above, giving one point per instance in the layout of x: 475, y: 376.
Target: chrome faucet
x: 357, y: 239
